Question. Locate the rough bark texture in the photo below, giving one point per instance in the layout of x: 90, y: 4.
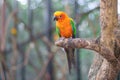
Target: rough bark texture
x: 108, y: 22
x: 106, y: 64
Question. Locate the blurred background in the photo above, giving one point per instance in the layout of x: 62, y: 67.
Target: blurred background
x: 27, y: 36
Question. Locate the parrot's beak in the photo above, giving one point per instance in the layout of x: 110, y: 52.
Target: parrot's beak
x: 55, y: 18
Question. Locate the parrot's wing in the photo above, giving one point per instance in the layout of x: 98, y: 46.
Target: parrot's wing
x: 73, y: 27
x: 57, y: 31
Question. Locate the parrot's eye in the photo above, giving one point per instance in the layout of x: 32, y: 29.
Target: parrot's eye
x: 60, y: 16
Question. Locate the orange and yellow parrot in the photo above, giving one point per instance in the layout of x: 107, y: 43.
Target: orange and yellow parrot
x: 65, y: 27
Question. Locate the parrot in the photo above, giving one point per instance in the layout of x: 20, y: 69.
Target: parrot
x: 65, y: 28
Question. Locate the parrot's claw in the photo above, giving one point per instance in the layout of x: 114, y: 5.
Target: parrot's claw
x: 59, y: 41
x: 62, y: 38
x: 70, y: 38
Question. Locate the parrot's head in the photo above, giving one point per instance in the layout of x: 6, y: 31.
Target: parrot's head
x: 60, y: 15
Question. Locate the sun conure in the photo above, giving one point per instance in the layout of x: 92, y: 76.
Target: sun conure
x: 65, y: 27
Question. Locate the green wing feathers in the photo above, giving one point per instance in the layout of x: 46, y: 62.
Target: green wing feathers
x: 57, y: 31
x: 73, y: 27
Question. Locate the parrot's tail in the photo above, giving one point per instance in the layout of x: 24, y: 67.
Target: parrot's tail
x: 70, y: 58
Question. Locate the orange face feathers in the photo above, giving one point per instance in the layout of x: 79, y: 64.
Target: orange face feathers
x: 59, y: 15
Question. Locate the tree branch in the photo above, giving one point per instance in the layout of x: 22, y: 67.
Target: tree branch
x: 88, y: 12
x: 87, y: 44
x: 78, y: 43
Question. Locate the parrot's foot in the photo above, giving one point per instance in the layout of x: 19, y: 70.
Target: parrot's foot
x: 59, y: 41
x: 70, y: 38
x: 62, y: 38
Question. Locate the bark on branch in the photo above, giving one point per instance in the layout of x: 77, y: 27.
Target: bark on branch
x: 87, y: 44
x: 78, y: 43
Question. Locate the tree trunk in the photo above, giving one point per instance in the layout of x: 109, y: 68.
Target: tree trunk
x: 108, y: 22
x: 106, y: 65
